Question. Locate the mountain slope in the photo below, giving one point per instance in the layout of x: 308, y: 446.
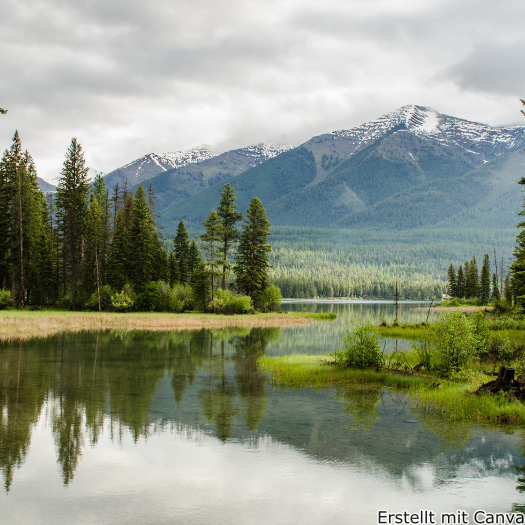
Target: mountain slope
x: 287, y: 172
x: 181, y: 183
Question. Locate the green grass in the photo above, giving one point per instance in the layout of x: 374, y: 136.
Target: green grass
x: 450, y: 400
x: 319, y: 316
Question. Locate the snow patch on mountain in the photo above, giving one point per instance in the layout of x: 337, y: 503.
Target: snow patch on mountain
x: 427, y: 122
x: 263, y: 151
x: 175, y: 159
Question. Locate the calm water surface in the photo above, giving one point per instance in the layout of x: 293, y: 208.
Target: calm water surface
x: 181, y: 427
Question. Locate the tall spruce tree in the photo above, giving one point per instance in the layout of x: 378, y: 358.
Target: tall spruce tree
x: 142, y: 234
x: 20, y: 208
x: 212, y: 238
x: 472, y: 280
x: 484, y: 281
x: 194, y: 258
x: 72, y: 191
x: 495, y: 286
x: 181, y: 248
x: 452, y: 281
x: 517, y: 268
x: 230, y: 216
x: 119, y: 255
x: 460, y: 283
x: 93, y: 250
x: 251, y: 261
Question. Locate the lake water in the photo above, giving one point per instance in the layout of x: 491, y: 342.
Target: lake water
x: 181, y: 427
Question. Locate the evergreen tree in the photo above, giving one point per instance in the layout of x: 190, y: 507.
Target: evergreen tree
x: 460, y: 283
x: 472, y: 279
x: 93, y: 250
x: 212, y: 237
x: 201, y: 286
x: 484, y: 282
x: 142, y: 235
x: 119, y: 255
x: 517, y: 268
x: 452, y: 281
x: 507, y: 289
x: 100, y: 191
x: 182, y: 248
x: 251, y: 262
x: 495, y: 287
x: 20, y: 208
x: 194, y: 258
x: 173, y: 268
x: 71, y: 200
x: 227, y: 211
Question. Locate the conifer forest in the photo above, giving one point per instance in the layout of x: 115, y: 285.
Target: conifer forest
x: 84, y: 248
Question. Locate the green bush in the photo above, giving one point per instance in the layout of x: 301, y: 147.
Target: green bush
x: 269, y: 300
x: 180, y: 298
x: 230, y: 303
x: 425, y: 353
x: 361, y: 349
x: 455, y: 342
x: 5, y: 299
x: 123, y: 301
x: 150, y: 298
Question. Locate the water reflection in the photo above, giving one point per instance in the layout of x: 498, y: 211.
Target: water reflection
x: 91, y: 389
x: 323, y: 338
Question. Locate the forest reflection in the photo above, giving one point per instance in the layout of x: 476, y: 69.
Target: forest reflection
x: 85, y: 379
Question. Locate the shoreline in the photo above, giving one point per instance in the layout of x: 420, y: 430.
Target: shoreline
x: 17, y: 325
x: 440, y: 397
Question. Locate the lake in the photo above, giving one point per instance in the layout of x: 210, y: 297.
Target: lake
x: 181, y: 427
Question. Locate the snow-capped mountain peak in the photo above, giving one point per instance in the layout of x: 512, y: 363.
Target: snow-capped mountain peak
x: 429, y: 123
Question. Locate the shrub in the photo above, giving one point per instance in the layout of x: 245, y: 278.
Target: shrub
x: 228, y: 302
x: 180, y: 298
x: 425, y: 353
x: 455, y: 342
x: 123, y: 301
x: 105, y: 299
x: 5, y: 299
x: 149, y: 300
x: 361, y: 349
x: 269, y: 300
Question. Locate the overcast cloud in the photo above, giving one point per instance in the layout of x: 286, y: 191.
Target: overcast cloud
x: 129, y: 77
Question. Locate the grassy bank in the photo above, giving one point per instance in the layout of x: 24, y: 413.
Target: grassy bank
x: 24, y: 324
x: 450, y: 400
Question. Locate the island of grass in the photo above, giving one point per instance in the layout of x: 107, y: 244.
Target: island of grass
x: 26, y: 324
x: 443, y: 372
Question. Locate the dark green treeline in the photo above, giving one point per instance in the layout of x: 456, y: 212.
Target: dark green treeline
x: 84, y: 248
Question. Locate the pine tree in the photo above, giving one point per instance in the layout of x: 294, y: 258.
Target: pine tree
x: 194, y: 258
x: 212, y: 238
x: 118, y: 261
x: 173, y: 268
x: 181, y: 247
x: 517, y: 268
x: 227, y: 211
x: 72, y: 191
x: 460, y: 283
x: 495, y: 287
x: 484, y: 282
x: 251, y: 262
x: 142, y: 234
x: 472, y: 280
x: 452, y: 281
x: 93, y: 250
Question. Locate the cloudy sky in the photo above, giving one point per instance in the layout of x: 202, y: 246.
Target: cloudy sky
x: 129, y: 77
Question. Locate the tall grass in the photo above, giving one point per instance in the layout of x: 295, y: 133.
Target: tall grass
x: 433, y: 396
x: 24, y: 325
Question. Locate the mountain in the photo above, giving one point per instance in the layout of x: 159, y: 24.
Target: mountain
x: 411, y: 168
x: 182, y: 182
x: 152, y: 164
x: 46, y: 187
